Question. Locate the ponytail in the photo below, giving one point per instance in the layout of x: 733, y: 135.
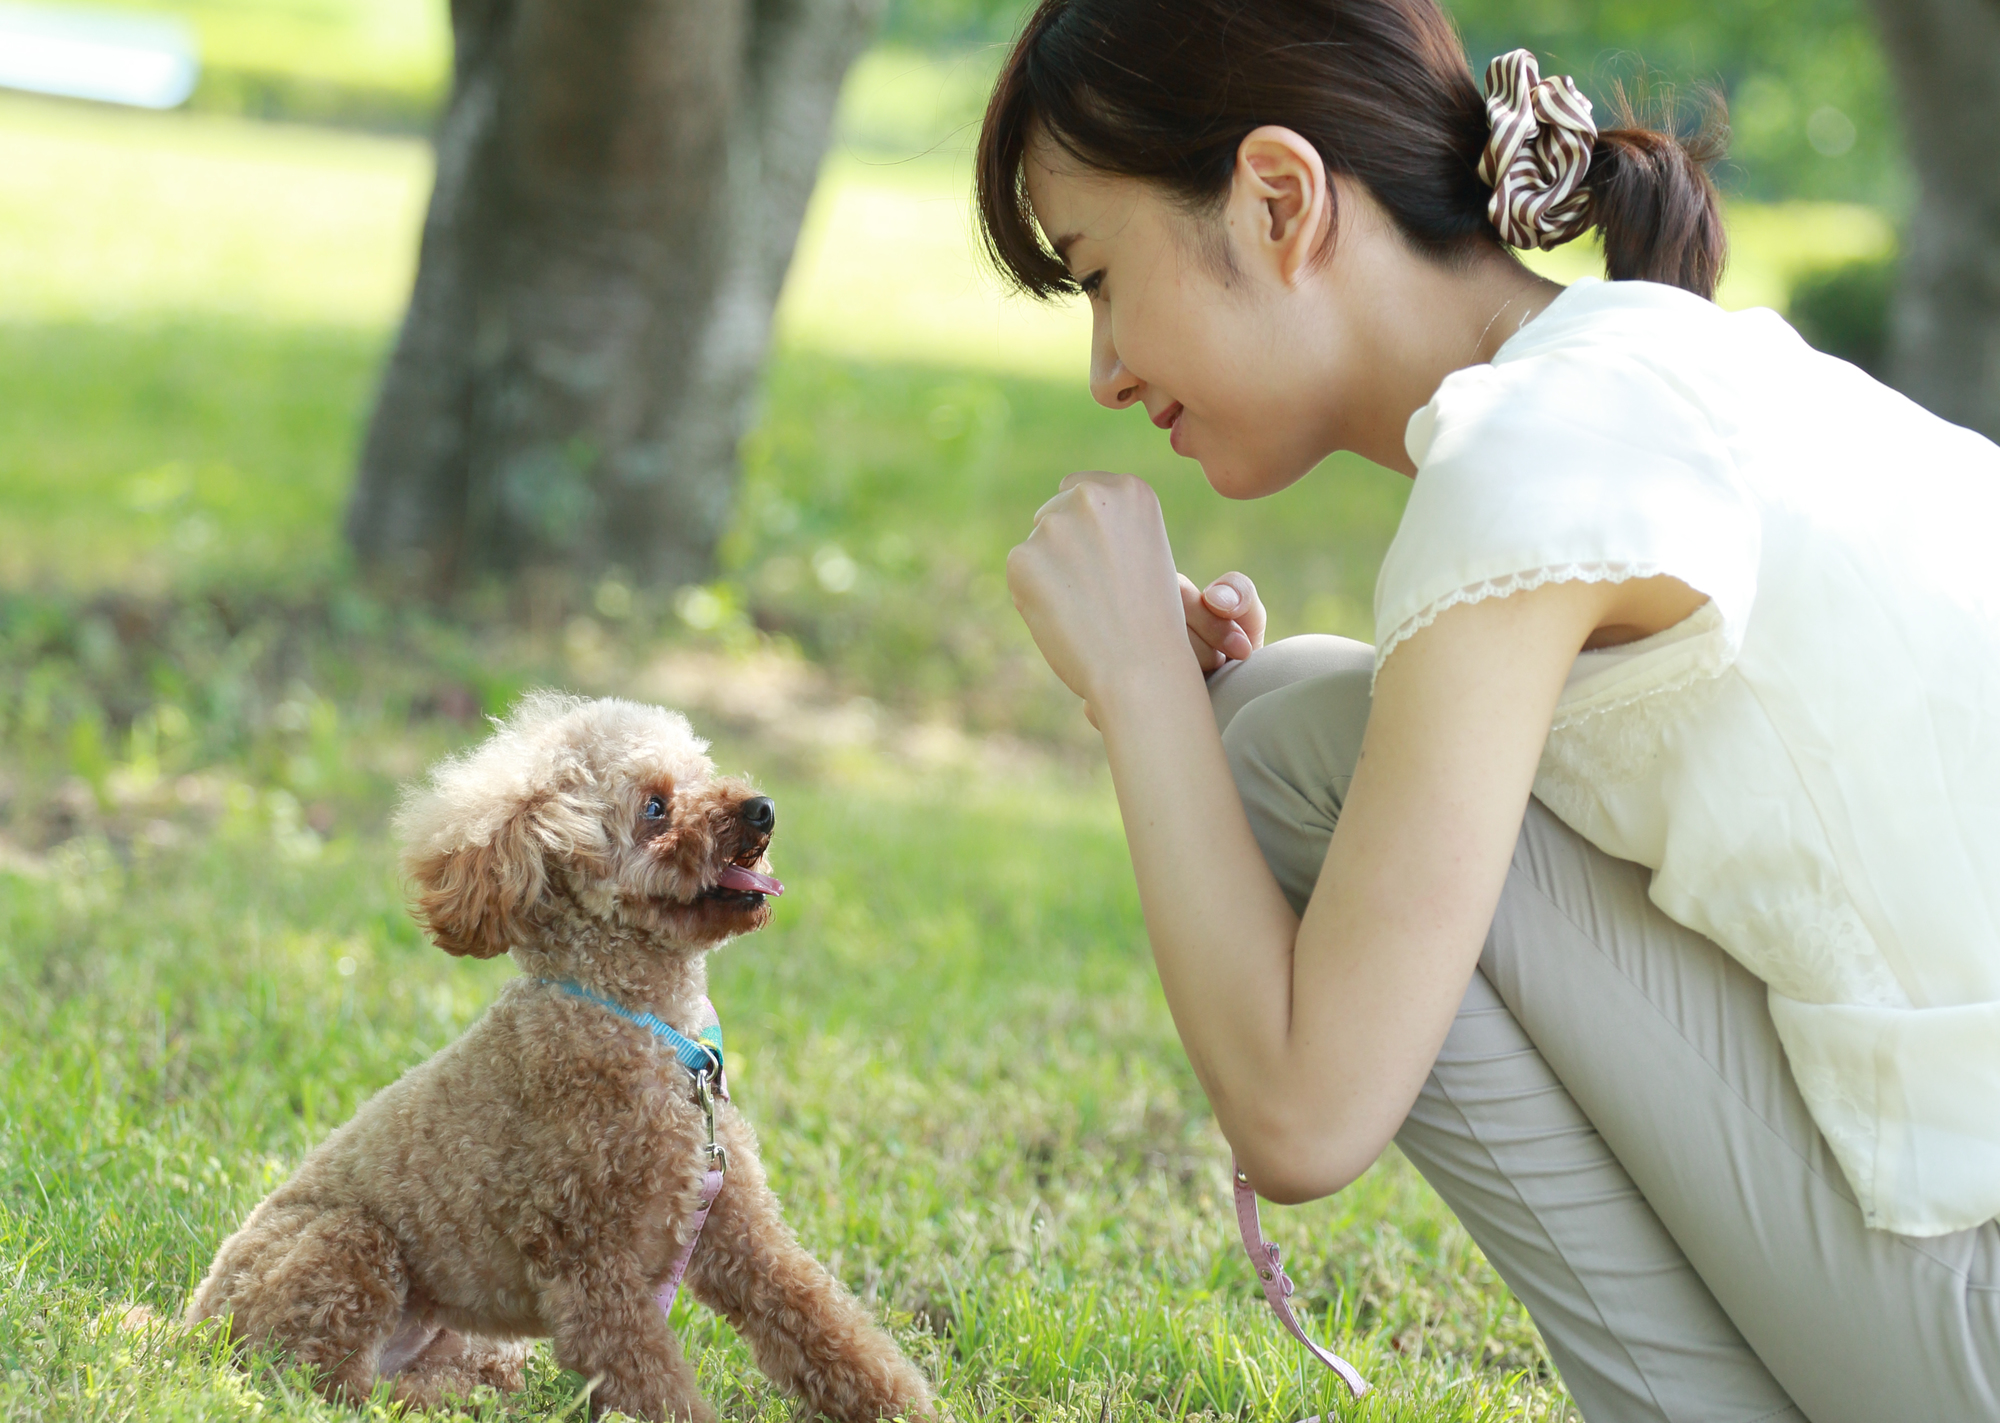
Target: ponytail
x: 1655, y: 206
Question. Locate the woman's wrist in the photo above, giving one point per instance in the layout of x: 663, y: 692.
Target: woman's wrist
x: 1141, y: 685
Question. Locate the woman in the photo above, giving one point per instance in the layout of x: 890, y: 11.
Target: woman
x: 1702, y: 1043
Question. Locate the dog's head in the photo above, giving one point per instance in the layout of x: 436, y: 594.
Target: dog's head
x: 577, y: 812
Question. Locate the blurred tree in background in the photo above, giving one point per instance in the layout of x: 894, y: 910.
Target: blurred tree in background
x: 1944, y: 347
x: 619, y: 187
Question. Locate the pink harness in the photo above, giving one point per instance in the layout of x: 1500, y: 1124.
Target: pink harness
x: 701, y: 1056
x: 711, y: 1187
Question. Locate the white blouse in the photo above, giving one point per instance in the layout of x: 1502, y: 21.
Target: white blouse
x: 1810, y: 763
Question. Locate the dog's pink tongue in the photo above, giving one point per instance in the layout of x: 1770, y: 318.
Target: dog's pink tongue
x: 748, y: 881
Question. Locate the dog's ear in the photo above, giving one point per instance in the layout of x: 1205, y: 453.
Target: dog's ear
x: 480, y: 834
x: 472, y: 898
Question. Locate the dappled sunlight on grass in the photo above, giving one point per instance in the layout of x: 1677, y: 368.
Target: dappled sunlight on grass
x: 888, y: 268
x: 150, y: 456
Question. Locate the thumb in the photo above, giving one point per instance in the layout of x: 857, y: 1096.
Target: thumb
x: 1234, y: 596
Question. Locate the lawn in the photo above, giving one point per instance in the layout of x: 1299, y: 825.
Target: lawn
x: 970, y: 1093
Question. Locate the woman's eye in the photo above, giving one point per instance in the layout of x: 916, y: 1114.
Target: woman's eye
x: 1091, y: 285
x: 656, y: 808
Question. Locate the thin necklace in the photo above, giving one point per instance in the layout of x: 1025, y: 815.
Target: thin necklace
x: 1476, y: 345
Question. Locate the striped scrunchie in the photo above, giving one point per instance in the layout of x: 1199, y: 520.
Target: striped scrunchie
x: 1537, y: 154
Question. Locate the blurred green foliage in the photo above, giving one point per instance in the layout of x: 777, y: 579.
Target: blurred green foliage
x: 1810, y: 104
x: 1845, y: 311
x: 1808, y: 95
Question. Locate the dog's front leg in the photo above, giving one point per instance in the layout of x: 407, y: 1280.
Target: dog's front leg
x: 608, y: 1326
x: 810, y: 1336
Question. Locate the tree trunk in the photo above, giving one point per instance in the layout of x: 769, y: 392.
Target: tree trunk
x: 1944, y: 341
x: 619, y: 187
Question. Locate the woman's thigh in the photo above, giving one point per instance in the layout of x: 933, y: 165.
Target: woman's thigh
x: 1613, y: 1119
x: 1666, y: 1044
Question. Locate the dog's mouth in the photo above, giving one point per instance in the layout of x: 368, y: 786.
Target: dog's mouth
x: 739, y: 884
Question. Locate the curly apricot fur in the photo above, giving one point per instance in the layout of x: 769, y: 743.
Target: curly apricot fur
x: 538, y: 1176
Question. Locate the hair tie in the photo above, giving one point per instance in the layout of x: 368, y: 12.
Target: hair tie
x: 1537, y: 154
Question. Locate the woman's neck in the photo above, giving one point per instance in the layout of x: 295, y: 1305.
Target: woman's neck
x: 1427, y: 320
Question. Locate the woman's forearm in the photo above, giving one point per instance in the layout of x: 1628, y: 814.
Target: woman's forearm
x: 1221, y: 932
x: 1312, y: 1038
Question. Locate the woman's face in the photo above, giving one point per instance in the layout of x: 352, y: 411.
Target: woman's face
x: 1192, y: 317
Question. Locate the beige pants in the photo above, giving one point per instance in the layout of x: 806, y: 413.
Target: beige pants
x: 1613, y: 1120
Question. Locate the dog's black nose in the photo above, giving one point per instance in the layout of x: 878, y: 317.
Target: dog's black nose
x: 759, y: 814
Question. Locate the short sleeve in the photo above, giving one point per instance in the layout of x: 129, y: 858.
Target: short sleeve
x: 1570, y: 465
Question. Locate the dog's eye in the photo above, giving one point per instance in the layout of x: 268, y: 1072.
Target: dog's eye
x: 656, y: 808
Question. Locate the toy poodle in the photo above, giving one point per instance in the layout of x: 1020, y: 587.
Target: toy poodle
x: 544, y: 1174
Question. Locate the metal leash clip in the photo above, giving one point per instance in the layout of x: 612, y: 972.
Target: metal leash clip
x: 704, y: 1093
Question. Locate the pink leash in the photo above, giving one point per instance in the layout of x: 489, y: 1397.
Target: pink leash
x: 1264, y: 1258
x: 711, y: 1187
x: 711, y: 1181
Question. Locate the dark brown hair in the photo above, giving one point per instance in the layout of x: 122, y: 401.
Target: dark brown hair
x: 1166, y: 90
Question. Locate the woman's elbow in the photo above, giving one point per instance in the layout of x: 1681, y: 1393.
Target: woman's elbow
x: 1291, y: 1166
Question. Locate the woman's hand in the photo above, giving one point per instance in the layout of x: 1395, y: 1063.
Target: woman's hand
x: 1225, y: 620
x: 1096, y: 585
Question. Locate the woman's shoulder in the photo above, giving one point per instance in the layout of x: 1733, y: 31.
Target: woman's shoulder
x: 1611, y: 401
x: 1633, y: 361
x: 1572, y: 456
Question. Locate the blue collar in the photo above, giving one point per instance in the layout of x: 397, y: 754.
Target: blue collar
x: 700, y: 1057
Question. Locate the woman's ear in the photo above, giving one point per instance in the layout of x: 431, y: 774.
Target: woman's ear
x: 1281, y: 203
x: 472, y: 898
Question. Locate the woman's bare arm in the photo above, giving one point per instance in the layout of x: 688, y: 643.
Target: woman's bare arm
x: 1311, y: 1038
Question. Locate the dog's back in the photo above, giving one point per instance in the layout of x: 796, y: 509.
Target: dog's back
x: 474, y: 1165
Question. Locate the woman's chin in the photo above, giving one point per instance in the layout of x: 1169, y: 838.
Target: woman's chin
x: 1239, y: 478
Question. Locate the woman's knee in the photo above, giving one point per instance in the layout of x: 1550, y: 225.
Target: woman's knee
x: 1235, y: 685
x: 1292, y: 753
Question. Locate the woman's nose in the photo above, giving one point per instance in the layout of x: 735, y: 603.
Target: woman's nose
x: 1111, y: 385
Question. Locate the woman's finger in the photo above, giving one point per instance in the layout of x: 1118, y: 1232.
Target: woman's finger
x: 1212, y: 638
x: 1054, y: 501
x: 1066, y: 491
x: 1089, y: 579
x: 1086, y: 476
x: 1234, y: 596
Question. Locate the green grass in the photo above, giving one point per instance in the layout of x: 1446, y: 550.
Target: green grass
x: 969, y: 1093
x: 969, y: 1089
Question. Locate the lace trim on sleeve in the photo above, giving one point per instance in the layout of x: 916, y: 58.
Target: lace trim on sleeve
x: 1502, y: 587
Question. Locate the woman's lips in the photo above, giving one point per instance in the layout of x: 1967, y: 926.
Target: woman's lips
x: 1170, y: 419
